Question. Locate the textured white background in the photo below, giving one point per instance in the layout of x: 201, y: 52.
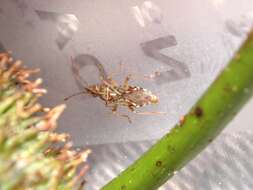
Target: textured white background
x: 207, y: 34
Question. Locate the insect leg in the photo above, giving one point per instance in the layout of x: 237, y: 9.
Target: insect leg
x: 150, y: 113
x: 125, y: 84
x: 132, y: 76
x: 119, y: 70
x: 114, y: 111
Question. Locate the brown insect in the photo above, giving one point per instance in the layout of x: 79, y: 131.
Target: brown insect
x: 115, y: 95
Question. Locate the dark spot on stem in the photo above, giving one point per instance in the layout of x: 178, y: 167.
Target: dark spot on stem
x: 123, y: 187
x: 210, y: 140
x: 82, y: 184
x: 198, y: 111
x: 153, y: 175
x: 237, y: 57
x: 158, y: 163
x: 248, y: 42
x: 182, y: 120
x: 171, y: 149
x: 227, y: 88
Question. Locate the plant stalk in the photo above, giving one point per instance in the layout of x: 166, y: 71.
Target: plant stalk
x: 218, y: 105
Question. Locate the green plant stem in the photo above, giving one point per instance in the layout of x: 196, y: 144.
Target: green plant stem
x: 219, y: 104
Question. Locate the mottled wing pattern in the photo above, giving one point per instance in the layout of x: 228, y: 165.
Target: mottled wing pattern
x: 138, y: 96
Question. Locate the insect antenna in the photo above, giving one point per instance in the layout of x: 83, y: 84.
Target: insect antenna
x: 76, y: 94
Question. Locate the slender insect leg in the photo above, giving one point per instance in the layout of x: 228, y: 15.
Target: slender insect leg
x: 150, y: 113
x: 107, y: 95
x: 119, y: 70
x: 126, y: 81
x: 136, y: 75
x: 114, y: 111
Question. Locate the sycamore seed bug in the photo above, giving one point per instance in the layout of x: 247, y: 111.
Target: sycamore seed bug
x: 114, y: 94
